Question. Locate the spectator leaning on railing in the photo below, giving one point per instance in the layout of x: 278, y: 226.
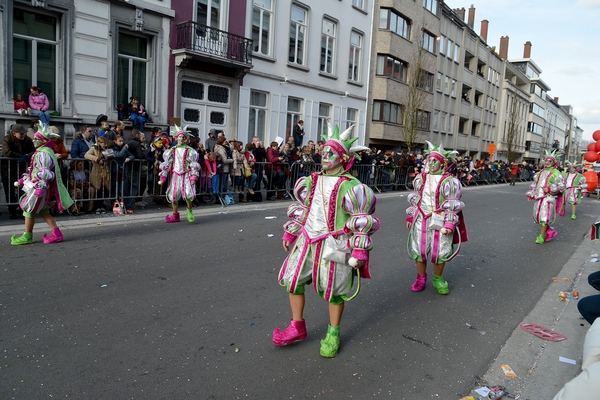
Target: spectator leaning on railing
x: 19, y: 147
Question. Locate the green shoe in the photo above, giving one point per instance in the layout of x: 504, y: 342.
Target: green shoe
x: 26, y: 238
x: 331, y: 343
x: 540, y: 239
x: 190, y: 215
x: 440, y: 284
x: 573, y: 216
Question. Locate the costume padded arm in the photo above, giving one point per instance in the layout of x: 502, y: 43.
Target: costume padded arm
x: 165, y: 166
x: 42, y: 165
x: 414, y: 198
x: 557, y: 184
x: 452, y: 192
x: 360, y: 203
x: 194, y: 165
x: 298, y: 211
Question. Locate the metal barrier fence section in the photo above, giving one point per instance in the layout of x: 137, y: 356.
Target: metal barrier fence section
x: 92, y: 184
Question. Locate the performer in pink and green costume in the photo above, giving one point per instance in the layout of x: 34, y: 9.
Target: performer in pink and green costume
x: 181, y: 166
x: 330, y: 239
x: 575, y: 187
x: 546, y: 192
x: 43, y: 189
x: 435, y: 192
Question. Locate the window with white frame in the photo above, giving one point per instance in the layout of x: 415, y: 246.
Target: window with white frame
x: 456, y: 52
x: 351, y: 118
x: 428, y: 42
x: 359, y: 4
x: 431, y: 5
x: 453, y: 88
x: 449, y: 48
x: 324, y: 115
x: 434, y: 124
x: 257, y: 121
x: 294, y: 114
x: 298, y: 35
x: 132, y: 67
x: 354, y: 64
x: 438, y: 82
x: 262, y: 11
x: 35, y: 48
x: 328, y: 36
x: 446, y: 85
x: 391, y: 67
x: 389, y: 19
x: 443, y: 43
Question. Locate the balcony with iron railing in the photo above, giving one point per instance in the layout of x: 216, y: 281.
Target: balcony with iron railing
x: 203, y: 43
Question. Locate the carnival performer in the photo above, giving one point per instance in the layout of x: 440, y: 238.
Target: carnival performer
x: 575, y: 187
x: 181, y: 166
x: 545, y: 190
x: 434, y: 219
x: 330, y: 239
x: 43, y: 189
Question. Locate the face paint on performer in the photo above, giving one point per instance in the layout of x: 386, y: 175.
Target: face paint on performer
x: 330, y: 159
x: 549, y: 162
x: 573, y: 169
x: 434, y: 164
x: 180, y: 139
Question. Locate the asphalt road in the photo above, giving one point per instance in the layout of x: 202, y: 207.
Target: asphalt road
x: 148, y: 310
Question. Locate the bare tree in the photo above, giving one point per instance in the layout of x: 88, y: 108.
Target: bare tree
x: 420, y: 82
x: 512, y: 131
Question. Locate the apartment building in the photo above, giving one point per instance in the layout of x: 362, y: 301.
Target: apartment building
x: 210, y: 56
x: 87, y: 56
x: 311, y: 63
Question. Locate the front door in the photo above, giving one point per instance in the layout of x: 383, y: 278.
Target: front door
x: 205, y: 106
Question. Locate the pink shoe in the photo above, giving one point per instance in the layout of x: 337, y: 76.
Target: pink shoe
x: 550, y: 234
x: 56, y: 236
x: 419, y: 284
x: 295, y: 332
x: 172, y: 218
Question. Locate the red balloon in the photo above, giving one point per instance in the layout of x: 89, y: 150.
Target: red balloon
x: 592, y: 146
x: 596, y: 135
x: 597, y: 146
x: 591, y: 156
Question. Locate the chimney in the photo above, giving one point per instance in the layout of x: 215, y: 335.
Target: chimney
x: 471, y: 22
x: 504, y: 47
x: 527, y: 50
x: 461, y: 13
x: 484, y: 29
x: 556, y: 100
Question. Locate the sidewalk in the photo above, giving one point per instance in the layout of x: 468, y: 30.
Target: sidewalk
x: 540, y: 374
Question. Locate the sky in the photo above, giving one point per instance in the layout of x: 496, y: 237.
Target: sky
x: 565, y: 38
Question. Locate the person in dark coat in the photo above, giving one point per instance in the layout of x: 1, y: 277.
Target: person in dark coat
x: 18, y: 146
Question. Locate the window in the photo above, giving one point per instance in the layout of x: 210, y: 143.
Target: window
x: 443, y: 44
x: 435, y: 120
x: 450, y: 122
x: 210, y: 13
x: 355, y: 55
x: 387, y: 112
x: 423, y: 118
x: 453, y: 88
x: 35, y: 46
x: 192, y: 90
x: 425, y: 81
x: 438, y: 82
x: 294, y: 110
x: 351, y: 119
x: 456, y: 52
x: 328, y: 35
x: 262, y: 10
x: 396, y: 23
x: 359, y: 4
x: 428, y: 42
x: 431, y: 5
x: 446, y: 85
x: 298, y: 33
x: 442, y: 121
x: 257, y: 121
x: 132, y: 67
x: 391, y: 67
x: 324, y: 115
x: 537, y: 110
x: 534, y: 128
x: 449, y: 48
